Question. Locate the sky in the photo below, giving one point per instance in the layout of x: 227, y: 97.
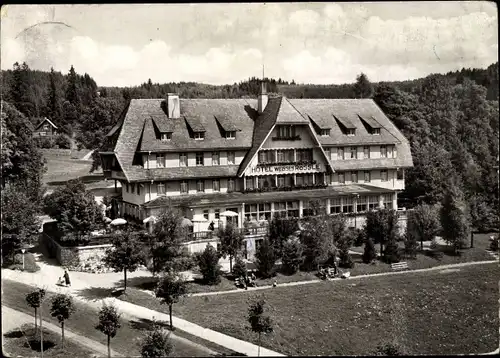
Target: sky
x: 321, y: 43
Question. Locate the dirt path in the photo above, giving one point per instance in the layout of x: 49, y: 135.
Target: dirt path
x: 12, y: 319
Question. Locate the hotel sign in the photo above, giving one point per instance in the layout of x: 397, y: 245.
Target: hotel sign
x: 285, y: 168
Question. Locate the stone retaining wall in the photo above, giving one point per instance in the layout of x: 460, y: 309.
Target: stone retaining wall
x: 78, y: 258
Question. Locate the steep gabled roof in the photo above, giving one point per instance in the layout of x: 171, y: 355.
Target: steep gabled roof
x: 163, y: 123
x: 344, y: 121
x: 45, y: 119
x: 226, y: 123
x: 372, y: 122
x: 195, y: 123
x: 320, y: 121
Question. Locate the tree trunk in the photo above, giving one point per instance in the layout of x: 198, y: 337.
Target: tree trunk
x: 109, y: 346
x: 422, y: 244
x: 125, y: 279
x: 62, y: 334
x: 36, y: 320
x: 258, y: 347
x: 41, y: 333
x: 230, y: 263
x: 170, y: 313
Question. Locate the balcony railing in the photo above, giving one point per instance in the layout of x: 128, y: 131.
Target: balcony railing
x: 298, y: 162
x: 287, y: 188
x: 295, y: 137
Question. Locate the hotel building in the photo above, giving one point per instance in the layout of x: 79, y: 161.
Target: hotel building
x: 256, y: 158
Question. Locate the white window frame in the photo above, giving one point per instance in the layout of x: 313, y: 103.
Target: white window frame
x: 340, y: 153
x: 369, y: 174
x: 232, y: 155
x: 324, y: 132
x: 166, y: 137
x: 382, y: 175
x: 184, y: 184
x: 183, y: 163
x: 202, y: 159
x: 162, y: 161
x: 353, y: 151
x: 376, y: 131
x: 383, y: 151
x: 216, y: 185
x: 199, y: 135
x: 366, y: 152
x: 200, y: 186
x: 216, y: 155
x: 231, y: 185
x: 354, y: 175
x: 342, y: 175
x: 351, y: 132
x: 161, y: 186
x: 230, y: 134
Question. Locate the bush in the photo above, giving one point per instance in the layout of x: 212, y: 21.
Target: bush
x: 208, y: 262
x: 369, y: 254
x: 411, y: 245
x: 265, y: 259
x: 388, y: 349
x: 63, y: 141
x: 292, y: 256
x: 44, y: 142
x: 391, y: 253
x: 30, y: 264
x: 240, y: 267
x: 359, y: 237
x: 346, y: 259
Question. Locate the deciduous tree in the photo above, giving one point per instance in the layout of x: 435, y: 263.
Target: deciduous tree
x: 259, y: 322
x: 109, y: 323
x: 363, y: 87
x: 293, y: 256
x: 454, y: 218
x: 157, y: 343
x: 170, y: 289
x: 34, y: 300
x: 208, y: 262
x: 126, y: 254
x: 382, y: 227
x: 423, y: 223
x: 280, y: 230
x: 62, y: 308
x: 265, y: 259
x: 231, y: 240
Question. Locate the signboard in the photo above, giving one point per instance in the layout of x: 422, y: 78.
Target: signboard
x: 285, y: 168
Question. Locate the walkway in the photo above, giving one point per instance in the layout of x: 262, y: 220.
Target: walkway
x: 12, y: 319
x: 298, y: 283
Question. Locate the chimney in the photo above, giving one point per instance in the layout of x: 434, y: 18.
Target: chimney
x: 173, y: 105
x: 263, y: 98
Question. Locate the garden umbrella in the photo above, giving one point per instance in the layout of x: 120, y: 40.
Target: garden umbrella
x: 229, y: 213
x: 118, y: 222
x: 107, y: 220
x: 151, y: 218
x: 186, y: 222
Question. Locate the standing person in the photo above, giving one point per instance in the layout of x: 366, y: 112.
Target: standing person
x: 336, y: 264
x: 66, y: 277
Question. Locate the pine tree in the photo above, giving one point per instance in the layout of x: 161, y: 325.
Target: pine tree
x: 72, y: 94
x: 54, y: 101
x: 208, y: 262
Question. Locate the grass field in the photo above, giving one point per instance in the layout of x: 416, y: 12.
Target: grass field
x: 84, y: 319
x: 30, y: 264
x: 439, y: 312
x: 25, y: 342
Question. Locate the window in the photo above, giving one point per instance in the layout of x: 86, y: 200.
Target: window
x: 324, y: 132
x: 281, y: 181
x: 354, y: 153
x: 280, y: 209
x: 372, y: 202
x: 230, y: 134
x: 199, y: 135
x: 161, y: 189
x: 266, y: 182
x: 230, y: 158
x: 347, y: 206
x: 216, y: 185
x: 126, y: 187
x: 383, y: 175
x: 183, y: 160
x: 354, y: 177
x: 400, y: 175
x: 265, y: 157
x: 217, y: 214
x: 139, y: 189
x: 304, y: 155
x: 184, y: 187
x: 366, y: 152
x: 132, y: 188
x: 286, y: 132
x: 388, y: 201
x: 362, y: 204
x: 230, y: 185
x: 340, y: 153
x: 200, y: 185
x: 205, y: 214
x: 265, y: 211
x: 199, y: 158
x: 251, y: 212
x: 376, y: 131
x: 215, y: 158
x: 351, y: 132
x: 249, y: 182
x: 292, y: 208
x: 328, y: 179
x: 335, y: 206
x: 383, y: 151
x: 367, y: 176
x: 389, y: 151
x: 165, y: 137
x: 285, y: 156
x: 341, y: 178
x: 160, y: 161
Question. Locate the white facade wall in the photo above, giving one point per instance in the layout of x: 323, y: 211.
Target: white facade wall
x: 172, y: 160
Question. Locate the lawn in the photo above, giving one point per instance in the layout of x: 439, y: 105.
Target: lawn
x: 438, y: 312
x: 25, y: 342
x: 30, y: 264
x: 84, y: 319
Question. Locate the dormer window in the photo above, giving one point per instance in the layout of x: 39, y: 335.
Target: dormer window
x: 165, y: 137
x: 376, y: 131
x: 324, y: 132
x: 351, y: 132
x: 230, y: 134
x: 199, y: 135
x: 286, y: 132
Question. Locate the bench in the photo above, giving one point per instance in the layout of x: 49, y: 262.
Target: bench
x: 399, y: 265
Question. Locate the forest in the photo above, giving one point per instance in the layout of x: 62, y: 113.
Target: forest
x: 451, y: 120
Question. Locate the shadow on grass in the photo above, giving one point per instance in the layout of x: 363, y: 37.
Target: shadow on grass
x: 143, y: 324
x: 141, y: 282
x: 17, y: 333
x: 95, y: 293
